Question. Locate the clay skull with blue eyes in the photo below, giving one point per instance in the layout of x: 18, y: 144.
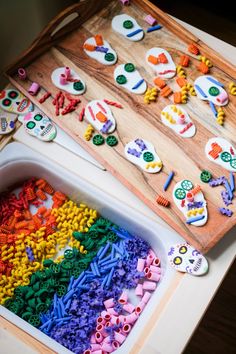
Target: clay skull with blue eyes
x: 36, y: 123
x: 187, y: 259
x: 14, y: 102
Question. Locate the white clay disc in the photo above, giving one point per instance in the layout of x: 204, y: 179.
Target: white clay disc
x: 37, y: 124
x: 13, y: 101
x: 94, y: 110
x: 7, y: 123
x: 69, y: 86
x: 117, y: 25
x: 100, y: 56
x: 226, y: 158
x: 133, y: 78
x: 184, y: 258
x: 172, y: 115
x: 143, y: 148
x: 185, y: 209
x: 166, y: 70
x: 205, y: 85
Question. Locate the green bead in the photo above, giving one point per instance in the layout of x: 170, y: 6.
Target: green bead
x: 129, y: 67
x: 26, y: 315
x: 34, y: 320
x: 121, y: 79
x: 29, y: 294
x: 214, y: 91
x: 112, y: 140
x: 128, y: 24
x: 66, y: 264
x: 148, y: 156
x: 78, y: 86
x: 47, y: 263
x: 205, y: 176
x: 180, y: 193
x: 69, y: 254
x: 225, y: 156
x: 187, y: 185
x: 32, y: 303
x: 98, y: 139
x: 61, y: 290
x: 109, y: 57
x: 41, y: 308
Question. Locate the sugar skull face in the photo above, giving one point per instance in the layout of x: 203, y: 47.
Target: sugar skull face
x: 39, y: 125
x: 7, y: 123
x: 142, y: 153
x: 177, y: 119
x: 209, y: 89
x: 128, y: 27
x: 187, y: 259
x: 68, y: 80
x: 221, y: 152
x: 161, y: 62
x: 99, y: 49
x: 99, y: 115
x: 190, y: 200
x: 127, y: 76
x: 13, y: 101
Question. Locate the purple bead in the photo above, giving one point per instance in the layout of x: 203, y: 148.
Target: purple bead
x: 225, y: 197
x: 225, y: 211
x: 106, y: 126
x: 217, y: 181
x: 134, y: 152
x: 141, y: 144
x: 101, y: 49
x: 194, y: 205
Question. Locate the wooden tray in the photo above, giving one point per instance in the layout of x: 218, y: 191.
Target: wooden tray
x: 184, y: 156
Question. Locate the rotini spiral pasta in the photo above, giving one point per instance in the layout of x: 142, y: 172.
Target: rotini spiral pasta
x: 88, y: 132
x: 181, y: 72
x: 232, y: 88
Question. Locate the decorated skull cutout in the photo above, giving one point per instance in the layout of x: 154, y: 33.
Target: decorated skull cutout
x: 14, y: 102
x: 39, y: 125
x: 187, y: 259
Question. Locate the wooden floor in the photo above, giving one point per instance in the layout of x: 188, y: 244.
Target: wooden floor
x: 216, y: 333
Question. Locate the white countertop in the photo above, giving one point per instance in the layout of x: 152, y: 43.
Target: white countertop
x: 184, y: 309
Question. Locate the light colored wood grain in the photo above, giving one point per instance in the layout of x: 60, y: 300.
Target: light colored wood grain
x: 184, y: 156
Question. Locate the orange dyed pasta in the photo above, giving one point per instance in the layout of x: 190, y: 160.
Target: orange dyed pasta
x: 89, y: 47
x: 152, y: 59
x: 192, y: 48
x: 196, y: 190
x: 48, y: 188
x: 162, y: 201
x: 30, y: 195
x: 101, y: 117
x: 41, y: 195
x: 98, y: 39
x: 166, y: 91
x: 181, y: 81
x: 177, y: 97
x: 184, y: 60
x: 21, y: 224
x: 162, y: 58
x: 203, y: 68
x: 159, y: 82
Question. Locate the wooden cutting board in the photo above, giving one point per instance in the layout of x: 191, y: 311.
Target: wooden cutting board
x: 185, y: 157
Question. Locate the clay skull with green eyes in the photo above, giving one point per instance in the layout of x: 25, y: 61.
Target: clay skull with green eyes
x: 13, y: 101
x: 39, y: 125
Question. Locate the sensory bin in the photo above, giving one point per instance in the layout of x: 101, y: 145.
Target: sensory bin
x: 73, y: 274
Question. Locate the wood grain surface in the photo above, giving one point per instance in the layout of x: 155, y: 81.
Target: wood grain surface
x: 185, y: 157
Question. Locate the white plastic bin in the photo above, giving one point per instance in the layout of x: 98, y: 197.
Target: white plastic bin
x: 17, y: 163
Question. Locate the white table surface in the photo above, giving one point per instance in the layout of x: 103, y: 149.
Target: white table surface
x: 185, y: 308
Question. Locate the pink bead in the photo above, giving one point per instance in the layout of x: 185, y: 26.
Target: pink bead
x: 149, y: 285
x: 222, y: 97
x: 100, y: 328
x: 34, y: 88
x: 108, y: 324
x: 95, y: 346
x: 115, y: 344
x: 153, y: 276
x: 131, y: 318
x: 123, y: 298
x: 106, y: 347
x: 109, y: 303
x: 151, y: 20
x: 107, y: 339
x: 100, y: 320
x: 129, y: 307
x: 140, y: 264
x: 139, y: 308
x: 146, y: 297
x: 106, y: 315
x: 119, y: 337
x: 155, y: 269
x: 190, y: 197
x: 125, y: 2
x: 149, y: 260
x: 139, y: 290
x: 122, y: 318
x: 88, y: 351
x: 126, y: 328
x: 111, y: 312
x: 156, y: 262
x: 67, y: 72
x: 181, y: 119
x: 97, y: 352
x: 93, y: 339
x: 98, y: 337
x: 115, y: 320
x: 146, y: 270
x: 22, y: 73
x: 63, y: 79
